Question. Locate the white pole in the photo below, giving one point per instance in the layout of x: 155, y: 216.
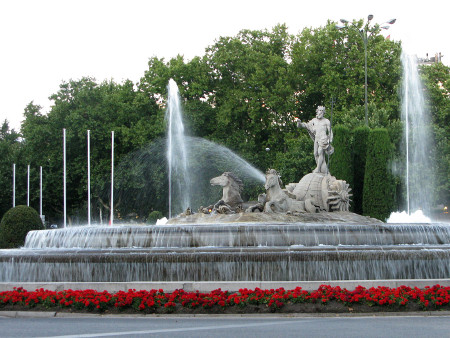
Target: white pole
x: 112, y: 178
x: 14, y: 185
x: 28, y: 186
x: 40, y: 191
x: 89, y: 175
x: 64, y: 176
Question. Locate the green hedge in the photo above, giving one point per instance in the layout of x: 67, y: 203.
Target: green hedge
x: 379, y: 187
x: 16, y: 223
x: 360, y: 136
x: 341, y: 160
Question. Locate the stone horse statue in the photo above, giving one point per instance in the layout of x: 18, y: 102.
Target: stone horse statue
x: 231, y: 196
x: 277, y: 200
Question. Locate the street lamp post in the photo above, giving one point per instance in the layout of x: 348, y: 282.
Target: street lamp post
x: 365, y: 38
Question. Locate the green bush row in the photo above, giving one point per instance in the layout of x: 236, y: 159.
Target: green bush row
x: 362, y: 158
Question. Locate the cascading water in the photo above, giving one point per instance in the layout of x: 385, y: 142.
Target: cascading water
x: 177, y: 153
x: 231, y: 252
x: 418, y: 175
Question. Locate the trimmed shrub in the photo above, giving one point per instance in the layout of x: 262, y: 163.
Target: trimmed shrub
x: 379, y: 188
x: 341, y: 159
x: 154, y: 216
x: 361, y: 134
x: 16, y: 223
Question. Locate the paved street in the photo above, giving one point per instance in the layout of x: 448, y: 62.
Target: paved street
x: 95, y: 326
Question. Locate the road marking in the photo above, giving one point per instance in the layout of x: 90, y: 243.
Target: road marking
x: 215, y: 327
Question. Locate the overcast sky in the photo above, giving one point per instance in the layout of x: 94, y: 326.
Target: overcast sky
x: 45, y: 42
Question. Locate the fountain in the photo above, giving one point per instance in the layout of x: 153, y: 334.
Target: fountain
x: 290, y: 241
x: 177, y: 152
x: 418, y: 175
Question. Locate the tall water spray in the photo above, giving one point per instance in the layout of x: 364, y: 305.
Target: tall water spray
x: 177, y: 153
x: 419, y: 163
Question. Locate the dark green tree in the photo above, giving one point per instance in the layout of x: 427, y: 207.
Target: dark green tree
x: 341, y: 161
x: 379, y: 188
x: 360, y: 135
x: 9, y: 150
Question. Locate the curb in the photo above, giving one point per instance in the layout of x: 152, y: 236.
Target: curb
x: 53, y: 314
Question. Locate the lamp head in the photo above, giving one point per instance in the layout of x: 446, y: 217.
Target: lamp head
x: 370, y: 17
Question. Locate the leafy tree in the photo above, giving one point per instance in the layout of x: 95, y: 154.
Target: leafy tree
x: 436, y: 78
x: 9, y: 150
x: 328, y: 62
x: 80, y: 106
x: 251, y: 92
x: 298, y: 159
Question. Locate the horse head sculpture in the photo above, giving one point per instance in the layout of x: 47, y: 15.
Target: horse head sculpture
x: 232, y: 188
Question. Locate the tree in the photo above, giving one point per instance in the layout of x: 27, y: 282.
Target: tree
x: 80, y: 106
x: 329, y: 63
x: 361, y: 135
x: 379, y: 188
x: 436, y: 79
x: 9, y: 149
x: 341, y: 160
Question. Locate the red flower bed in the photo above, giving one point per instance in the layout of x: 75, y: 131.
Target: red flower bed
x: 157, y: 301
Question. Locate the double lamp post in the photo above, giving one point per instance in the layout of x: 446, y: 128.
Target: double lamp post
x: 365, y: 36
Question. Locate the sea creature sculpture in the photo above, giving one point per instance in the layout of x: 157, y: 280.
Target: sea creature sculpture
x: 232, y: 188
x: 277, y: 200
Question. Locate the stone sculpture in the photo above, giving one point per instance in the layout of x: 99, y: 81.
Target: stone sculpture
x: 276, y: 199
x: 319, y: 129
x: 231, y: 193
x: 321, y: 193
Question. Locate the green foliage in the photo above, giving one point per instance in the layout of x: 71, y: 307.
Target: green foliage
x: 298, y: 159
x: 341, y: 161
x: 154, y: 216
x: 327, y: 62
x: 80, y: 106
x: 360, y: 136
x: 379, y: 188
x: 437, y: 81
x: 9, y: 150
x: 15, y: 225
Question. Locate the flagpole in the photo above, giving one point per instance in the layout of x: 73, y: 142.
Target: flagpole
x: 40, y: 191
x: 89, y: 175
x: 28, y: 186
x: 64, y: 177
x: 14, y: 185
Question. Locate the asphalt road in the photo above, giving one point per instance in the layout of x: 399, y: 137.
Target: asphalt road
x: 380, y: 326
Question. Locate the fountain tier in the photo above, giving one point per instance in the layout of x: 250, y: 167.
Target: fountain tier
x: 231, y: 252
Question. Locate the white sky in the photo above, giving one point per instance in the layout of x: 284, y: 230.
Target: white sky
x: 44, y: 42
